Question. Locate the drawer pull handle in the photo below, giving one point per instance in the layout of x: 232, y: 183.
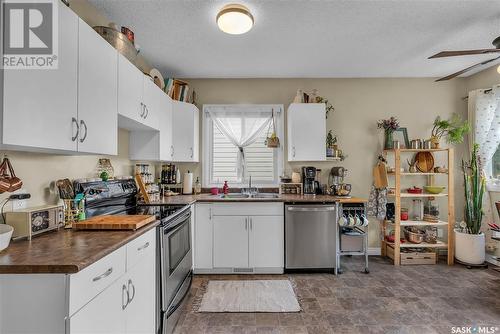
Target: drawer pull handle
x: 103, y: 275
x: 124, y: 294
x: 146, y: 245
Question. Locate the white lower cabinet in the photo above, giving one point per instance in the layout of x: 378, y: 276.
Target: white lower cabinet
x: 266, y: 241
x: 115, y: 295
x: 128, y: 305
x: 243, y: 237
x: 230, y: 242
x: 103, y: 314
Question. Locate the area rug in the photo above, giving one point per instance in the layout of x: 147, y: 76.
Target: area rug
x: 250, y: 296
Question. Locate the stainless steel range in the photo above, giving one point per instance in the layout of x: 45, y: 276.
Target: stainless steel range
x: 174, y: 253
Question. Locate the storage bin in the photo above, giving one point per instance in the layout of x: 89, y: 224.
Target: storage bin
x: 412, y: 258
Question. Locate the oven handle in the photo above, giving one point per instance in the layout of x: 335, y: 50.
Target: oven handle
x: 178, y: 221
x: 176, y: 306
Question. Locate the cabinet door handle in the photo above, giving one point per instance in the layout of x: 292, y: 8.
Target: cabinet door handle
x: 124, y: 291
x: 130, y: 298
x: 293, y: 151
x: 75, y: 122
x: 210, y: 213
x: 147, y: 112
x: 143, y: 110
x: 246, y: 223
x: 173, y: 151
x: 103, y: 275
x: 192, y: 152
x: 146, y: 245
x: 82, y: 123
x: 251, y: 223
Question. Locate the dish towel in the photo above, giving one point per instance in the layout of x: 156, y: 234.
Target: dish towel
x: 377, y: 203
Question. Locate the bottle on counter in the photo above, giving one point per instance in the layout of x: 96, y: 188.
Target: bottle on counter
x: 177, y: 175
x: 197, y: 186
x: 225, y: 188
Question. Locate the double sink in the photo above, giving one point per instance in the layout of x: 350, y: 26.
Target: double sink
x: 243, y: 196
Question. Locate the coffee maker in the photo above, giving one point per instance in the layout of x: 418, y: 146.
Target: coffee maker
x: 309, y: 180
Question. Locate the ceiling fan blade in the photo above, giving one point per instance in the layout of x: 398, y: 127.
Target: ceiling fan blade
x: 463, y: 53
x: 456, y: 74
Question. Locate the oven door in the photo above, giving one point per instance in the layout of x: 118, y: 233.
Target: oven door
x: 176, y: 256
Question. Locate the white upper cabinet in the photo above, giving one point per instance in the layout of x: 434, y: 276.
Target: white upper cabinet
x: 185, y: 132
x: 130, y: 90
x: 306, y: 124
x: 152, y: 98
x: 154, y: 145
x: 97, y: 93
x: 39, y: 105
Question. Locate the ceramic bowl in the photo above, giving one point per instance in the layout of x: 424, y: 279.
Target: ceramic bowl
x: 5, y: 235
x: 434, y: 189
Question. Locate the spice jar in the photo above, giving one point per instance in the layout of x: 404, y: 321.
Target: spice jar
x: 404, y: 214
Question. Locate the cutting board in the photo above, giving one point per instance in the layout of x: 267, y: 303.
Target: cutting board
x: 118, y: 222
x: 380, y: 175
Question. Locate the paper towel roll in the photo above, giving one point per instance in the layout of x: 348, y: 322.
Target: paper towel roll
x: 187, y: 183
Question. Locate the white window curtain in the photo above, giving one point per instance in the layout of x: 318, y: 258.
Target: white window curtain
x: 241, y: 126
x: 484, y: 116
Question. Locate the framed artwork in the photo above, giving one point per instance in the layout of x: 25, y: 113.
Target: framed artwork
x: 401, y: 134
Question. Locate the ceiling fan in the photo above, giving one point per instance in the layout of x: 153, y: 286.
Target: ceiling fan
x: 496, y: 44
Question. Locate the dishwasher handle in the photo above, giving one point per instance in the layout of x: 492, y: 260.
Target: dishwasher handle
x: 314, y: 209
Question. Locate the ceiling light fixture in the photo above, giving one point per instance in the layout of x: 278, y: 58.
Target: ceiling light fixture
x: 234, y: 19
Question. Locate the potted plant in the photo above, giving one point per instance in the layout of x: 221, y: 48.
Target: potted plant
x: 469, y: 240
x: 328, y: 105
x: 331, y: 142
x: 454, y: 129
x: 389, y: 126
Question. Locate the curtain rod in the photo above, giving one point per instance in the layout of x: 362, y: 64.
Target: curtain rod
x: 486, y: 91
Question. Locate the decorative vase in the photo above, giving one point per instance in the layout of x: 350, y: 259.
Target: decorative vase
x: 388, y: 140
x: 469, y: 248
x: 435, y: 142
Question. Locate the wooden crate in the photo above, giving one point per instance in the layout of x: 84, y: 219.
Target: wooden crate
x: 427, y: 257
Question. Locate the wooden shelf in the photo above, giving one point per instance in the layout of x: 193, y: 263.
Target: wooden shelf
x: 417, y: 174
x: 439, y: 244
x: 408, y: 195
x: 402, y: 150
x: 420, y: 223
x: 334, y: 158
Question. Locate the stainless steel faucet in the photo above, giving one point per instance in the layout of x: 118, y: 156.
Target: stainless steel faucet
x: 250, y: 190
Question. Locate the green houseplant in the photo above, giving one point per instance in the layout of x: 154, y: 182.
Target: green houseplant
x: 469, y: 240
x: 331, y: 142
x: 454, y: 129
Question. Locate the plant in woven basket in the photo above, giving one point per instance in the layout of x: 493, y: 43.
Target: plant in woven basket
x: 454, y: 129
x: 474, y: 186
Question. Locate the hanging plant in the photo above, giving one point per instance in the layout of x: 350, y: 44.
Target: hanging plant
x: 272, y: 141
x: 329, y: 106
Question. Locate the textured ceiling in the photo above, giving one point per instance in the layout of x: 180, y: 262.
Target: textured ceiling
x: 301, y: 38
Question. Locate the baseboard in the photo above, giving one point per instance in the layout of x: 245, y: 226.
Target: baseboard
x: 374, y: 251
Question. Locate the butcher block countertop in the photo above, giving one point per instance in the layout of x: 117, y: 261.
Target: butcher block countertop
x: 189, y: 199
x: 64, y: 251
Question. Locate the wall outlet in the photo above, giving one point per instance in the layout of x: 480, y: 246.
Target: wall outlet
x: 19, y: 204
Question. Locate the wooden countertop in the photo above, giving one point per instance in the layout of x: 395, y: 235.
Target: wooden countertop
x: 63, y: 251
x: 190, y: 199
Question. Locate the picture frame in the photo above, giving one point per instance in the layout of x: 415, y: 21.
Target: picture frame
x: 401, y: 135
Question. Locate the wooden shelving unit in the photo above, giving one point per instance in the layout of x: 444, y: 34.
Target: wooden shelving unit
x: 399, y: 196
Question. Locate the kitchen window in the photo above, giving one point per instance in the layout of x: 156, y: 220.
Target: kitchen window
x: 234, y: 145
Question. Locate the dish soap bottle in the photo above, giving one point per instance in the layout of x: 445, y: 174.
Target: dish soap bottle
x: 225, y: 188
x: 197, y: 186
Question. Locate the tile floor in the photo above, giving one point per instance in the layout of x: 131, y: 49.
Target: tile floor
x: 408, y: 299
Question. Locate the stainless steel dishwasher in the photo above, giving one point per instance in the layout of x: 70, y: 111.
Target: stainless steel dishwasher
x: 311, y: 237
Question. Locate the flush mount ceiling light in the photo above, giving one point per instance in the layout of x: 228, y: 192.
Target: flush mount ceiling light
x: 235, y: 19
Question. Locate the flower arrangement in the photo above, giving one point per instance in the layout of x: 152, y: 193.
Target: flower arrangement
x: 389, y: 125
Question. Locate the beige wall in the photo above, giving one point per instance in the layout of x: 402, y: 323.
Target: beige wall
x: 484, y: 79
x: 39, y: 171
